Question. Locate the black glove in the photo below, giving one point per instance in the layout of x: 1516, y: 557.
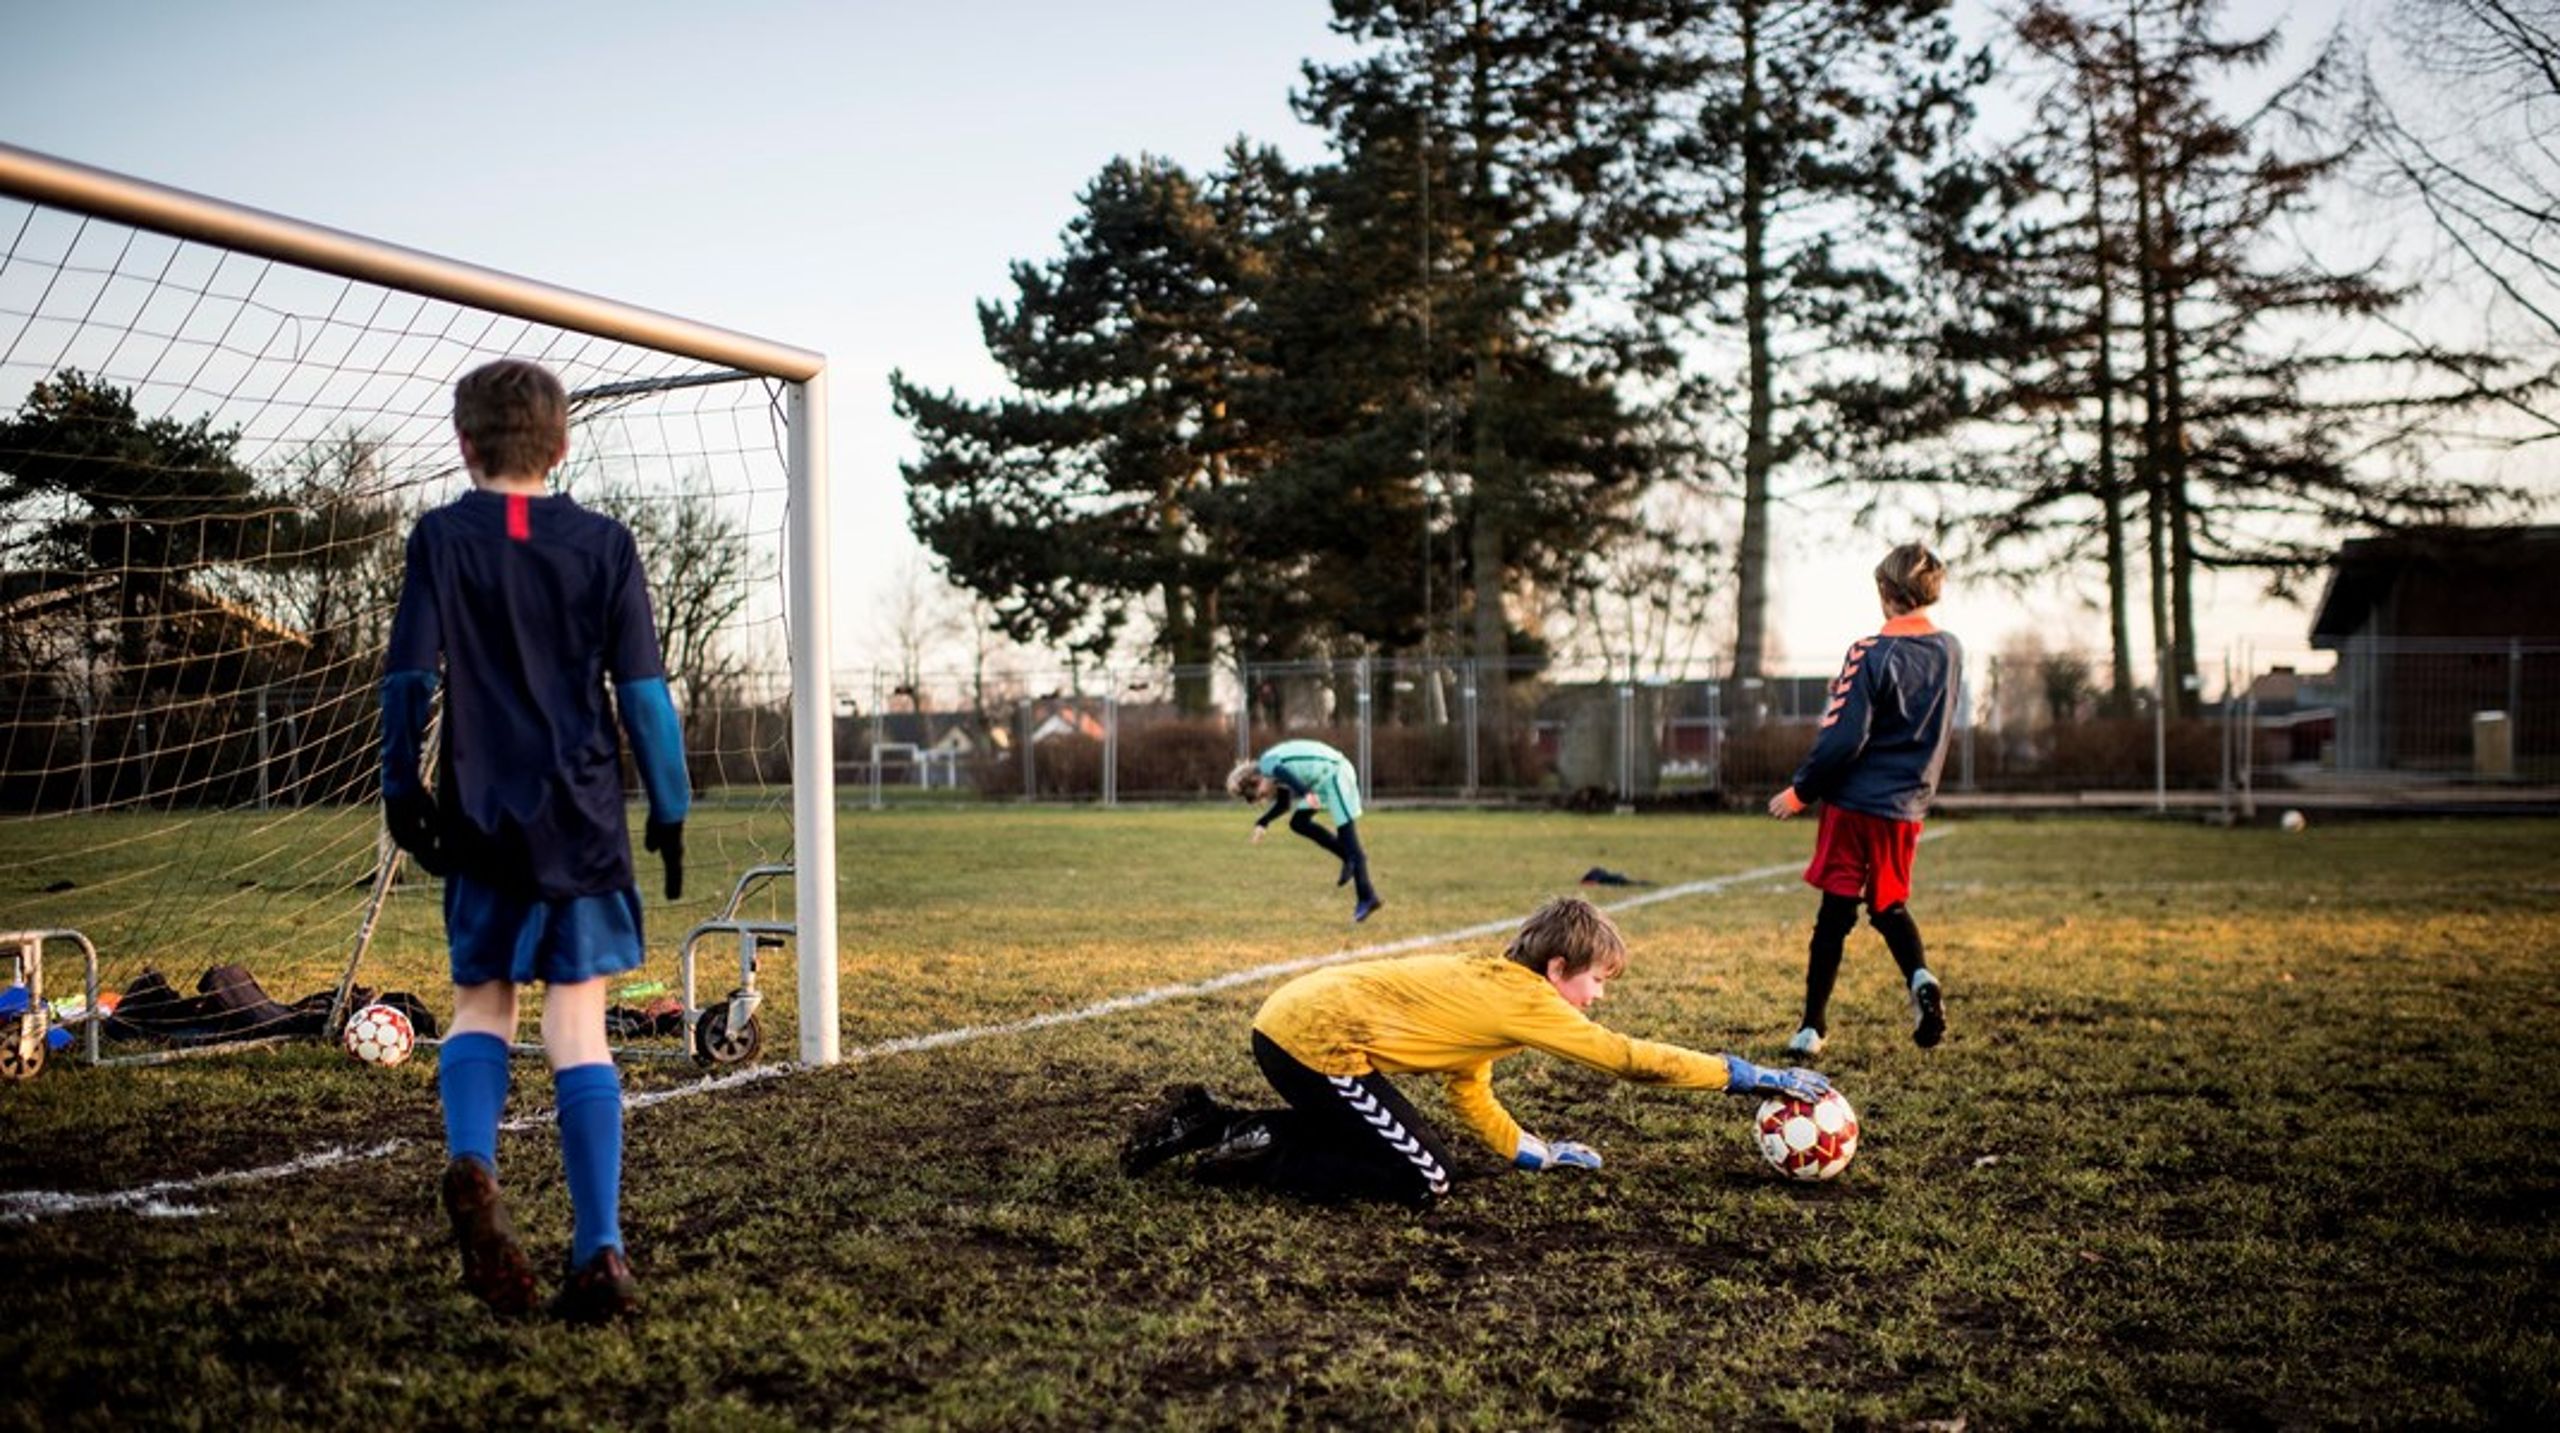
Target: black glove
x: 412, y: 819
x: 667, y: 839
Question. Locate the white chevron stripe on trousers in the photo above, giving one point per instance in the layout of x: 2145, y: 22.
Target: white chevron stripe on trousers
x: 1392, y: 1130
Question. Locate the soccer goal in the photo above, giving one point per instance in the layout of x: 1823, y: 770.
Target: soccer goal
x: 216, y: 427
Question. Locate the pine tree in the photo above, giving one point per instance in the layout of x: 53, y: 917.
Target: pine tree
x: 1097, y: 488
x: 1789, y: 164
x: 2254, y: 451
x: 1477, y: 147
x: 2034, y: 254
x: 145, y: 502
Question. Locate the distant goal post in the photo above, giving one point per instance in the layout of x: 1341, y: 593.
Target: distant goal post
x: 291, y: 341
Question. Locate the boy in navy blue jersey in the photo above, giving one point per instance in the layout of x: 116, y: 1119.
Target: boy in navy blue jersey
x: 1874, y: 767
x: 529, y: 605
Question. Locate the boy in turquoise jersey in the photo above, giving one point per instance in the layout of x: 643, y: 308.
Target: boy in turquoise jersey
x: 1303, y: 773
x: 1328, y: 1040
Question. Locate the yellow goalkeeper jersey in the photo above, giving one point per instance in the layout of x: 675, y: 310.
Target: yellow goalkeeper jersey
x: 1454, y: 1016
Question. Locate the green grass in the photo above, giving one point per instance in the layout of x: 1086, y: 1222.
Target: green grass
x: 2232, y: 1129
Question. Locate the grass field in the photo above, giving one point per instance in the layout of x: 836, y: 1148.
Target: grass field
x: 2232, y: 1129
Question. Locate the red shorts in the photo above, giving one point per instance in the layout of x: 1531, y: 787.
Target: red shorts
x: 1864, y: 857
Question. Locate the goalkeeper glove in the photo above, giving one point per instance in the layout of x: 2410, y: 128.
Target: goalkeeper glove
x: 1537, y: 1154
x: 411, y: 815
x: 667, y: 839
x: 1745, y: 1078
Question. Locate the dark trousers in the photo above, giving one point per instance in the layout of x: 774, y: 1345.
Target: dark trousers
x: 1346, y: 1138
x: 1343, y: 845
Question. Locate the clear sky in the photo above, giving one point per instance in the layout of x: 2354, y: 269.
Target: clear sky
x: 850, y: 177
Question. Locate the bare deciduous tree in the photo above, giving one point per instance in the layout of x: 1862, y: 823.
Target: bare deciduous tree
x: 703, y: 571
x: 2462, y: 105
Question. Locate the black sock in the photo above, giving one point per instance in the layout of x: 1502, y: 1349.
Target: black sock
x: 1831, y: 927
x: 1357, y: 859
x: 1901, y: 936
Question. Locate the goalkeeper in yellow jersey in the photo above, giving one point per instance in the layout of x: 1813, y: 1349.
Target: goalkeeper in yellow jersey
x: 1328, y: 1040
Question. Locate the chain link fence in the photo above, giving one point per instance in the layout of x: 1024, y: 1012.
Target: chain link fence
x: 2371, y: 717
x: 2481, y: 717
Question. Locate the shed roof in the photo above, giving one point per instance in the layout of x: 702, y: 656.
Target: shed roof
x: 2366, y: 569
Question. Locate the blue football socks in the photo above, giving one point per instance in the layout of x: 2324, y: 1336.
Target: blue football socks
x: 471, y: 1075
x: 591, y: 1154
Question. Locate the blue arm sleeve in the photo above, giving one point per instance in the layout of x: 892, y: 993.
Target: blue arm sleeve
x: 657, y: 741
x: 407, y: 698
x: 1843, y: 734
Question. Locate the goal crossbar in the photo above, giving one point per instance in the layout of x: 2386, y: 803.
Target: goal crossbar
x: 180, y: 214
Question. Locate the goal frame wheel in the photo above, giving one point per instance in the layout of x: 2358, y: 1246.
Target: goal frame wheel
x: 715, y: 1043
x: 21, y: 1059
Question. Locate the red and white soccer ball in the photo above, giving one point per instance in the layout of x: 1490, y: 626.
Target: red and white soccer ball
x: 380, y: 1035
x: 1808, y: 1141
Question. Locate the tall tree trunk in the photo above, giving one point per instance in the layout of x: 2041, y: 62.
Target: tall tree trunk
x: 1191, y: 682
x: 1488, y: 545
x: 979, y: 695
x: 1194, y: 648
x: 1190, y: 639
x: 2110, y: 476
x: 1485, y: 564
x: 1751, y: 573
x: 2148, y: 273
x: 2173, y: 485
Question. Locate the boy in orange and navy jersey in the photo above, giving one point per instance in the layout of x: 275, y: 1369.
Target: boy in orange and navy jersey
x: 1874, y: 767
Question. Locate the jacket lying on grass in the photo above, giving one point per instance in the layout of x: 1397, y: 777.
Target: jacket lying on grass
x: 1454, y: 1016
x: 229, y: 1004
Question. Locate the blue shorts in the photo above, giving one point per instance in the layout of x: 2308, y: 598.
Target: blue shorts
x: 496, y: 936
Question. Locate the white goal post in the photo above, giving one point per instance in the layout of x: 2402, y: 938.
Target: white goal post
x: 44, y: 341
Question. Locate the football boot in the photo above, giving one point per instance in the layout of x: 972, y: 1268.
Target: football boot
x: 1928, y: 1010
x: 494, y: 1267
x: 1184, y: 1118
x: 600, y: 1291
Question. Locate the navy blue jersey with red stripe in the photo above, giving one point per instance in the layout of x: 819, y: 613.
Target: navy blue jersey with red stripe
x: 1885, y: 730
x: 530, y: 605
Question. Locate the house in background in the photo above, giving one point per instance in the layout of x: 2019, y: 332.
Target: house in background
x: 911, y: 748
x: 1063, y: 720
x: 2294, y: 718
x: 2443, y: 635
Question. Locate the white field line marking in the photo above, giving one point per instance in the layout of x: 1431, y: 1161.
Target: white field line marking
x: 25, y: 1206
x: 28, y: 1205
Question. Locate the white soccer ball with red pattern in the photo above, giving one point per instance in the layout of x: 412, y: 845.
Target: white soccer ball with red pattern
x: 1808, y: 1140
x: 381, y: 1035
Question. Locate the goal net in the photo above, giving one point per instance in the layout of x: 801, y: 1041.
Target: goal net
x: 216, y: 429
